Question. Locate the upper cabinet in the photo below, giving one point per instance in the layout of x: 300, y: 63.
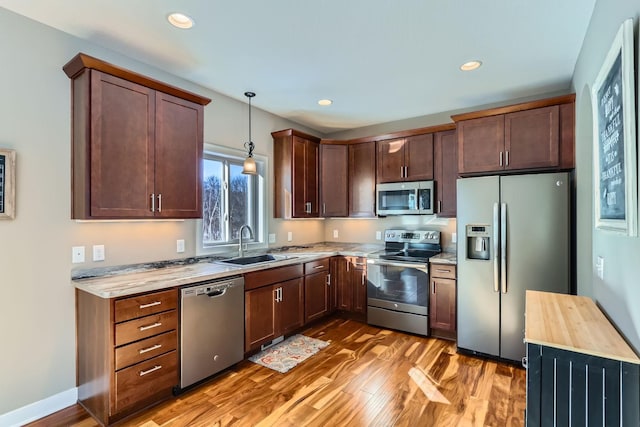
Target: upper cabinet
x: 405, y: 159
x: 445, y: 164
x: 534, y: 135
x: 136, y: 145
x: 362, y: 180
x: 334, y: 172
x: 296, y: 171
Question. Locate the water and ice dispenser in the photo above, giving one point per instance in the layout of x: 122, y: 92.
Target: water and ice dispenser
x: 478, y: 241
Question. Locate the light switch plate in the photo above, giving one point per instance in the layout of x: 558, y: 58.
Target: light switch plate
x: 77, y: 254
x: 600, y: 267
x: 454, y: 237
x: 335, y: 234
x: 378, y: 235
x: 289, y: 236
x: 272, y: 237
x: 98, y: 252
x: 180, y: 245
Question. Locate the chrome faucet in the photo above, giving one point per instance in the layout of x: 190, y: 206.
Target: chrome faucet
x: 240, y: 249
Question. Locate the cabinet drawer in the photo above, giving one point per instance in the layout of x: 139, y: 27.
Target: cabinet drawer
x: 144, y: 305
x: 151, y: 378
x: 257, y: 279
x: 145, y: 327
x: 316, y: 266
x: 446, y: 271
x: 146, y: 349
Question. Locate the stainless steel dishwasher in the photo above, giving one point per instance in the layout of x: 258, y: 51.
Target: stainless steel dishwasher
x: 211, y: 328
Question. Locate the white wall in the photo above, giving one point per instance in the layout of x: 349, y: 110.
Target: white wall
x: 619, y: 292
x: 37, y: 306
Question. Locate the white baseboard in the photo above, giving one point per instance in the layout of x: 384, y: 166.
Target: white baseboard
x: 39, y: 409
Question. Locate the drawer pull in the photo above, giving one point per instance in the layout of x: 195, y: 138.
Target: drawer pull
x: 146, y: 350
x: 155, y: 325
x: 442, y: 271
x: 318, y: 266
x: 155, y: 368
x: 150, y: 304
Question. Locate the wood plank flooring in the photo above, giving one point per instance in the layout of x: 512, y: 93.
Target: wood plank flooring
x: 367, y: 376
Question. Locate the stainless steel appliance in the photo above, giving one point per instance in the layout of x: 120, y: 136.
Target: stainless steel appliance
x: 211, y: 328
x: 405, y: 198
x: 514, y: 235
x: 398, y: 280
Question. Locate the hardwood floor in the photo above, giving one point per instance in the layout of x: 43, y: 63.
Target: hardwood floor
x: 367, y: 376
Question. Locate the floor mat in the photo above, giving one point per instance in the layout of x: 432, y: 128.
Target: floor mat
x: 287, y: 354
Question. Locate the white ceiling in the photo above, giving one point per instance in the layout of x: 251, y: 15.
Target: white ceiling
x: 378, y: 60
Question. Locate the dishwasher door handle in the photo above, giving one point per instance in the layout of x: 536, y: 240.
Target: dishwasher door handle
x: 216, y: 292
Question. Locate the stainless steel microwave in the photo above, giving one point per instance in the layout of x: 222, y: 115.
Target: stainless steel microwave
x: 405, y: 198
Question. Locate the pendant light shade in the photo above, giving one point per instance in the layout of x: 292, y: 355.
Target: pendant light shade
x: 249, y: 166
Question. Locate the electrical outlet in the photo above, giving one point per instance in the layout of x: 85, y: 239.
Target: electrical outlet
x: 180, y: 246
x: 77, y: 254
x: 335, y: 234
x: 272, y: 237
x: 454, y: 237
x: 98, y: 252
x: 600, y: 267
x: 378, y: 235
x: 289, y: 236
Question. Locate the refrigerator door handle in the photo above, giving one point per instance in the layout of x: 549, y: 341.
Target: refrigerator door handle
x: 496, y: 269
x: 503, y: 247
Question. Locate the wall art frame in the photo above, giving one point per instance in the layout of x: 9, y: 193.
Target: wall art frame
x: 614, y: 137
x: 7, y: 184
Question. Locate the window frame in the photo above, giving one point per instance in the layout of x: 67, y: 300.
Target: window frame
x: 231, y: 156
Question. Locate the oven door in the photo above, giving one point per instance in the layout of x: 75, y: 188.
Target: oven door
x: 398, y: 286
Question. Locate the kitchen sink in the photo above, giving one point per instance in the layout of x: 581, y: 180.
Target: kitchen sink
x: 257, y: 259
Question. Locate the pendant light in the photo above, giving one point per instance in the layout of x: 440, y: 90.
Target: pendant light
x: 249, y: 166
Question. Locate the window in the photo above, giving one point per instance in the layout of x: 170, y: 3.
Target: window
x: 230, y: 200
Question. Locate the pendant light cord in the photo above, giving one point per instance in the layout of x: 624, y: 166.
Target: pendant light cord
x: 249, y: 145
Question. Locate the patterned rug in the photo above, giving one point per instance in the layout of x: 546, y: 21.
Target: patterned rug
x: 287, y: 354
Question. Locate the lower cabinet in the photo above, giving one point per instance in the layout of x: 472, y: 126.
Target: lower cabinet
x: 127, y: 356
x: 442, y: 301
x: 351, y: 283
x: 274, y: 304
x: 317, y: 289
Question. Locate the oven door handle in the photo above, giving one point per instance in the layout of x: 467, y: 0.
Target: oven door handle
x: 417, y: 266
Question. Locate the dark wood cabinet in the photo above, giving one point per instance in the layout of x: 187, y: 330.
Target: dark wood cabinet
x: 405, y: 159
x: 351, y: 283
x: 445, y: 166
x: 530, y: 136
x: 274, y: 304
x: 136, y: 145
x: 334, y: 174
x: 442, y: 301
x: 362, y: 180
x: 127, y: 352
x: 296, y: 173
x: 317, y: 289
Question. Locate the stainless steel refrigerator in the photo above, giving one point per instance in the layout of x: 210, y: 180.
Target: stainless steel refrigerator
x: 513, y: 235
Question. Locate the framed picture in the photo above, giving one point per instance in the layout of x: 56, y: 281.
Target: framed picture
x: 614, y: 138
x: 7, y: 184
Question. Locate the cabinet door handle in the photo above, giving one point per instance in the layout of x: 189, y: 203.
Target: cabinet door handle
x: 433, y: 287
x: 155, y: 325
x: 439, y: 206
x: 506, y: 157
x: 148, y: 349
x: 151, y: 304
x: 281, y: 298
x: 363, y: 279
x: 501, y: 158
x: 277, y: 295
x: 328, y: 279
x: 148, y: 371
x: 153, y: 202
x: 324, y: 208
x: 160, y: 202
x: 307, y: 207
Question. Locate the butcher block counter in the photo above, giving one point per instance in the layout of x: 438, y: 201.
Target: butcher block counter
x: 580, y: 370
x: 574, y: 323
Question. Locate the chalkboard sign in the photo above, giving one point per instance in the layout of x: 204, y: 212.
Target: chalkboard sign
x: 614, y: 137
x: 611, y: 144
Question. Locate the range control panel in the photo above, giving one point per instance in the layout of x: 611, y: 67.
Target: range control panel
x: 412, y: 236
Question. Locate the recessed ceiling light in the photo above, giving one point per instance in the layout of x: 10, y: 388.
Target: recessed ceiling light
x: 180, y: 20
x: 325, y: 102
x: 471, y: 65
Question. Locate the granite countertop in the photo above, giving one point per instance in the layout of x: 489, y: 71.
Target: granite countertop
x: 111, y: 282
x: 444, y: 258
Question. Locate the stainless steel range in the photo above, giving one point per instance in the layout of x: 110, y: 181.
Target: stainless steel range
x: 398, y: 280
